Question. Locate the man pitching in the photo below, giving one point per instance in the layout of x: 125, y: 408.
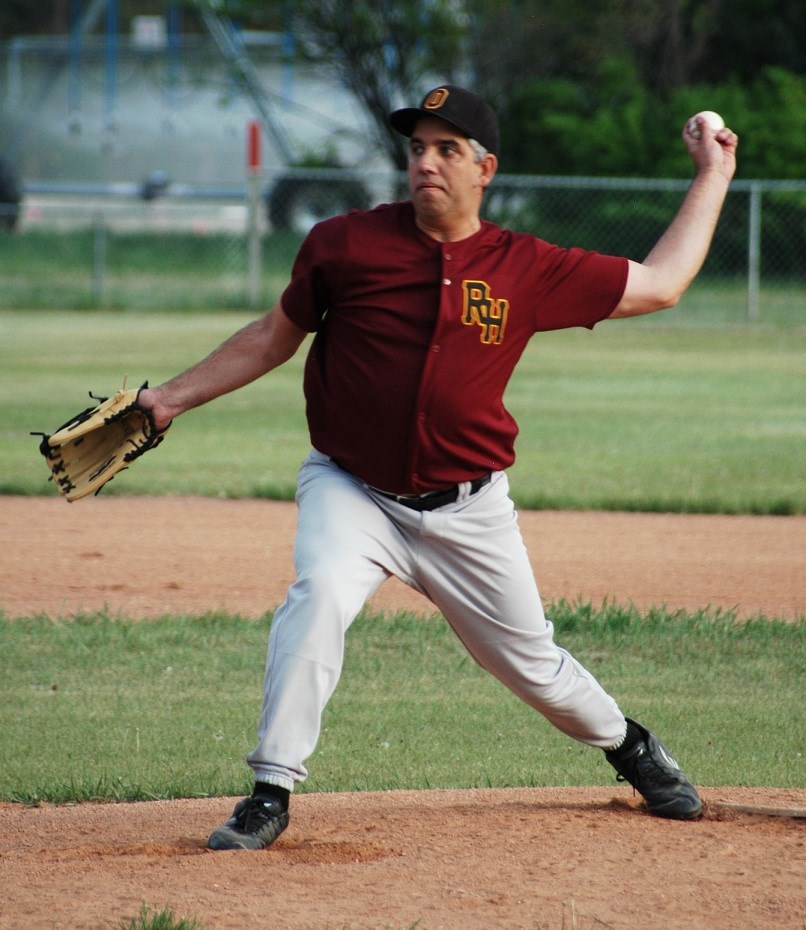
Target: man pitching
x: 421, y: 311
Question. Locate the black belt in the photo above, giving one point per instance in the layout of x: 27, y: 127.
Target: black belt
x: 435, y: 498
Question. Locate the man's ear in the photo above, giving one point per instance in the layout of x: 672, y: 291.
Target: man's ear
x: 488, y: 165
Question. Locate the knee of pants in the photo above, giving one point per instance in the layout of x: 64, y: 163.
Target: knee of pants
x: 336, y: 585
x: 528, y: 663
x: 561, y: 685
x: 314, y: 618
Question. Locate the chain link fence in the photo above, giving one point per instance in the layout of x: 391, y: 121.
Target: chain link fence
x: 758, y: 251
x: 137, y: 247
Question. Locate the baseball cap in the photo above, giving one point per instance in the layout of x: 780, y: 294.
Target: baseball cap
x: 463, y: 109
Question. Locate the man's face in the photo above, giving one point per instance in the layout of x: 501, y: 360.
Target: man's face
x: 445, y: 179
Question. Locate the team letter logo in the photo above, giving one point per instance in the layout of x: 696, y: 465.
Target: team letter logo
x: 436, y: 98
x: 482, y: 310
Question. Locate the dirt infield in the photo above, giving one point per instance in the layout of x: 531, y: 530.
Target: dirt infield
x: 456, y: 860
x: 147, y: 557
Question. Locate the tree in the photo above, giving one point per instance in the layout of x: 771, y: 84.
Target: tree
x: 673, y: 43
x: 383, y: 52
x: 26, y: 16
x: 676, y: 43
x: 668, y: 40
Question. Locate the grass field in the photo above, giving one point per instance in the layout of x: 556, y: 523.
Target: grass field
x: 140, y: 710
x: 634, y: 415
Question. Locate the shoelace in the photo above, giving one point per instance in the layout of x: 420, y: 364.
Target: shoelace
x: 659, y: 774
x: 254, y: 816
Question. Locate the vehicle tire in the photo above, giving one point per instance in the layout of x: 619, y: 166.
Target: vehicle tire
x: 10, y: 196
x: 297, y: 204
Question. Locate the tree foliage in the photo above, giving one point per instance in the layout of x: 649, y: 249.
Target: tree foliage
x: 672, y: 43
x: 616, y: 126
x: 22, y: 17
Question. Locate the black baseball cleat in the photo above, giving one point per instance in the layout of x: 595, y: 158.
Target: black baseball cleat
x: 649, y: 767
x: 255, y: 824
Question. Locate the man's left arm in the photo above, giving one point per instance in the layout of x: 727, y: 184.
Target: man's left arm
x: 665, y: 274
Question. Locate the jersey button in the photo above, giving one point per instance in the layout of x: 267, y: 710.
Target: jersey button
x: 446, y: 280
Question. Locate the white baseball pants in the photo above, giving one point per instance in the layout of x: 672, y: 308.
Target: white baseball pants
x: 468, y: 558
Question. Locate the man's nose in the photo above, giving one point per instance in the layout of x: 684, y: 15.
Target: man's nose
x: 427, y: 161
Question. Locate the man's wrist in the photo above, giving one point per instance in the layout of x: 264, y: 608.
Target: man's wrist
x: 162, y: 412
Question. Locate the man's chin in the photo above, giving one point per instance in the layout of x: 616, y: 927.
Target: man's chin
x: 430, y: 201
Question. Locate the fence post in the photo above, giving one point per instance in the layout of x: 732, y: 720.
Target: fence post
x: 753, y: 250
x: 253, y: 210
x: 99, y: 258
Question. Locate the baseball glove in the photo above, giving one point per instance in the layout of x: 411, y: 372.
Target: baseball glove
x: 92, y: 447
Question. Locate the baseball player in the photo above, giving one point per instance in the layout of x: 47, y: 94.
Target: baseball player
x: 420, y: 312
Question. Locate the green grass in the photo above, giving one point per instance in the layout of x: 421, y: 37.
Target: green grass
x: 159, y: 920
x: 719, y: 303
x: 633, y: 416
x: 101, y: 708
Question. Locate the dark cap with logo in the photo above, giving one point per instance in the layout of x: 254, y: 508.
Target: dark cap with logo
x: 464, y: 110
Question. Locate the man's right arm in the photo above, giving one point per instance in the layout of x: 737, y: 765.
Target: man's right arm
x: 251, y: 352
x: 665, y: 274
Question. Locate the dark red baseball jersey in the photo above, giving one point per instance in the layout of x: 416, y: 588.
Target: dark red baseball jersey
x: 416, y: 339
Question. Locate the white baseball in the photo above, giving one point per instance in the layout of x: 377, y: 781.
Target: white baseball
x: 712, y: 120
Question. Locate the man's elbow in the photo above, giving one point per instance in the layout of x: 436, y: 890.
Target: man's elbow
x: 648, y: 303
x: 668, y: 300
x: 647, y: 292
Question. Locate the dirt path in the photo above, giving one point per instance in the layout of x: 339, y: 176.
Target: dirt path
x: 517, y: 859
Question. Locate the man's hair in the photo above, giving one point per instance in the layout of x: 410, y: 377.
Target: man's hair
x: 478, y: 149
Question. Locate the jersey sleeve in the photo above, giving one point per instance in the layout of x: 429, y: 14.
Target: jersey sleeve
x: 577, y: 287
x: 309, y: 293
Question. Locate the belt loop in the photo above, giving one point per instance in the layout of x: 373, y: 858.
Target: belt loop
x: 464, y: 490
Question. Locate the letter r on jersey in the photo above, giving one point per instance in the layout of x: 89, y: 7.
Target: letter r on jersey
x: 480, y: 309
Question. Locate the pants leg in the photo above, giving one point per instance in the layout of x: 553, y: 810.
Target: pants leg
x: 345, y: 547
x: 474, y: 566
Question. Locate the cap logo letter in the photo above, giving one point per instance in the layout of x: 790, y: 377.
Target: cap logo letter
x: 436, y: 98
